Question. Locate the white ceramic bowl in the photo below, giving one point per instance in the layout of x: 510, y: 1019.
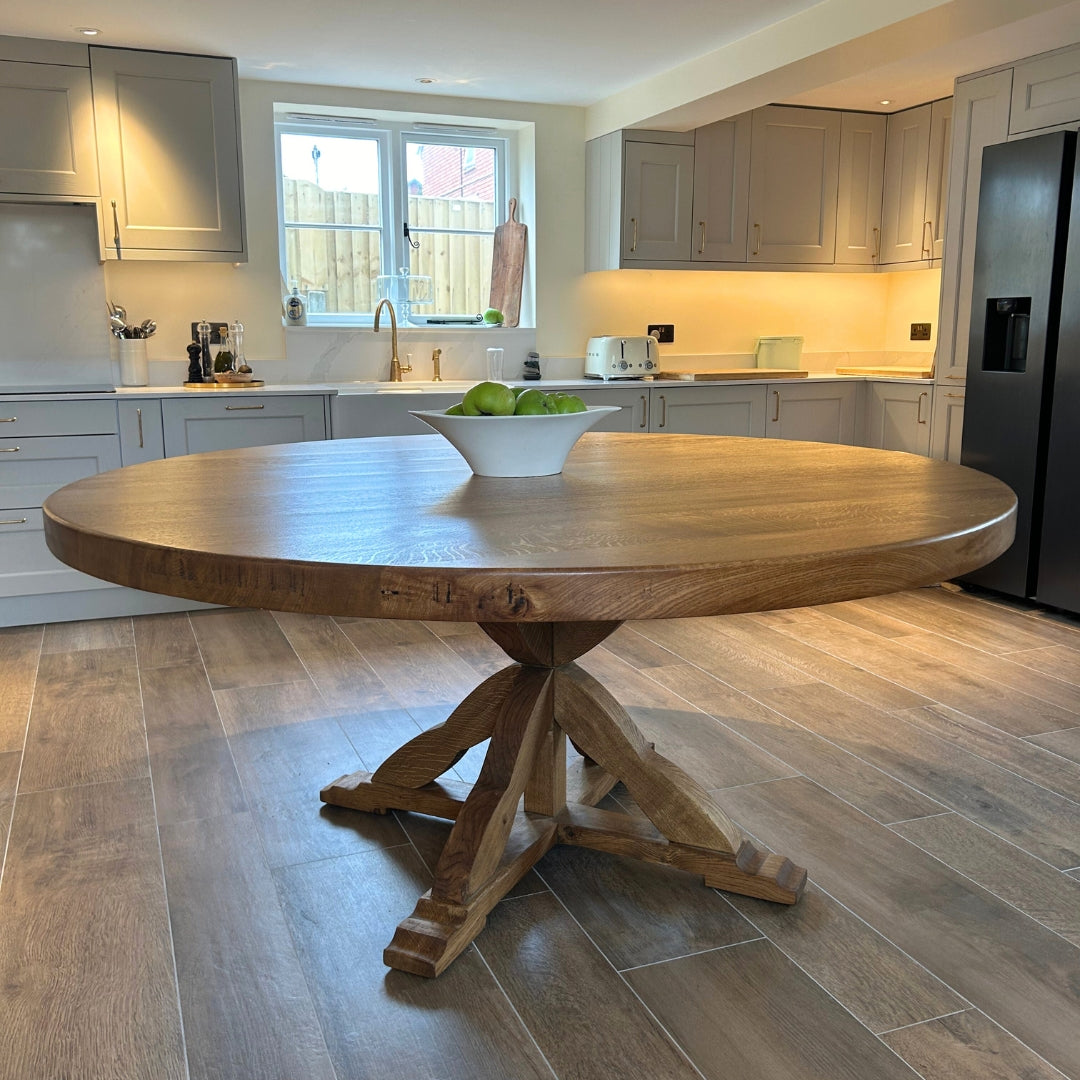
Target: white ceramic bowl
x: 515, y: 445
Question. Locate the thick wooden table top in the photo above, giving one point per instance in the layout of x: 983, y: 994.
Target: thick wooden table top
x: 636, y: 526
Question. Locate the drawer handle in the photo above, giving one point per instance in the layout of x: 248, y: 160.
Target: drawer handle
x: 8, y: 419
x: 776, y: 414
x: 138, y: 413
x: 633, y: 243
x: 644, y: 412
x: 918, y: 415
x: 10, y: 449
x: 241, y: 408
x: 961, y: 396
x: 13, y: 521
x: 958, y: 378
x: 663, y: 410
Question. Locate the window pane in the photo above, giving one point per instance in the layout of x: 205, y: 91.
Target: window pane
x: 330, y: 179
x: 445, y: 171
x: 460, y: 268
x: 335, y: 267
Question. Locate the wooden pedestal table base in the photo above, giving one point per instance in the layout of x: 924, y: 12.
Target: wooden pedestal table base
x: 528, y: 710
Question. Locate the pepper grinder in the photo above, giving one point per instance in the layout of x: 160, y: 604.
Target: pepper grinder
x: 204, y: 349
x: 194, y: 371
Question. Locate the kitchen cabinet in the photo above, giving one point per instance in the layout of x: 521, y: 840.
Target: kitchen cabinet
x: 897, y: 416
x: 168, y: 135
x: 794, y: 176
x: 735, y: 409
x: 1046, y: 91
x: 639, y: 199
x: 858, y: 201
x: 980, y: 117
x: 818, y: 411
x: 916, y: 183
x: 47, y: 143
x: 193, y: 425
x: 141, y: 435
x: 721, y: 190
x: 947, y: 428
x: 633, y: 402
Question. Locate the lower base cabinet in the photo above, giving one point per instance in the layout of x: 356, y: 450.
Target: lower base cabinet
x: 947, y: 428
x: 813, y: 411
x: 897, y: 416
x: 708, y: 410
x: 195, y: 425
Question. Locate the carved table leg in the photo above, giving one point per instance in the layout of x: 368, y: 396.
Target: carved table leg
x: 528, y: 710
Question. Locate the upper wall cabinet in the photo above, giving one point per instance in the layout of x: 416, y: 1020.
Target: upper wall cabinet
x: 794, y: 172
x: 46, y: 120
x: 169, y: 155
x: 721, y: 190
x: 1046, y: 91
x: 858, y: 200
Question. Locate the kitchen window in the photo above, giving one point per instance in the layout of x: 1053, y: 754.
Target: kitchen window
x: 373, y: 208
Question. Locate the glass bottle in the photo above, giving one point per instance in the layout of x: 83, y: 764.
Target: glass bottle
x: 224, y: 359
x: 236, y: 340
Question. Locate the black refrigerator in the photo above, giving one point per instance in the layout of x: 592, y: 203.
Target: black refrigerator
x: 1022, y: 407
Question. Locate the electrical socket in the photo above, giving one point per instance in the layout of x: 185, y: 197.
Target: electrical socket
x: 663, y: 332
x: 920, y: 331
x: 215, y: 330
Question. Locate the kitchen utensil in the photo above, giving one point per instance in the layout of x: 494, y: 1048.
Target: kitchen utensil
x: 120, y: 312
x: 507, y: 267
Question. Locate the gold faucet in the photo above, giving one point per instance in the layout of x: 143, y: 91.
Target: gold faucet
x: 436, y: 376
x: 395, y: 364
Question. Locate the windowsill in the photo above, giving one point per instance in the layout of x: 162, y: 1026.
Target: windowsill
x: 438, y: 329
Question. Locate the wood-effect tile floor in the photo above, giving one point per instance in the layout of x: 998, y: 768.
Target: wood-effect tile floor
x: 176, y: 902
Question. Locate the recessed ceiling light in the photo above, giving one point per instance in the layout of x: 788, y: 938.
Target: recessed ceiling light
x: 887, y: 101
x: 426, y: 81
x: 89, y: 31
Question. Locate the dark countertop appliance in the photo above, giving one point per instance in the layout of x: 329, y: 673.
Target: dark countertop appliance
x: 1022, y: 408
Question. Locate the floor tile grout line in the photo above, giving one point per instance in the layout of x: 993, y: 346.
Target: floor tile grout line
x: 920, y: 817
x: 696, y: 952
x: 928, y: 1020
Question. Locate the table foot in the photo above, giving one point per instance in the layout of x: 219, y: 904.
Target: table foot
x: 528, y: 798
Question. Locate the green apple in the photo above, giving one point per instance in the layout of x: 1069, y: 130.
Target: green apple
x: 569, y: 403
x: 534, y: 402
x: 455, y: 410
x: 493, y: 316
x: 489, y: 399
x: 518, y: 390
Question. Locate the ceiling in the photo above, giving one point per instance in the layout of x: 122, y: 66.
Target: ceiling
x: 674, y: 63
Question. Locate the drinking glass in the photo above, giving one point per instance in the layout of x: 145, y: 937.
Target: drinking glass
x: 495, y: 365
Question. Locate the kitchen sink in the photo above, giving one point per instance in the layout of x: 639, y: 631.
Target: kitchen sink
x: 416, y: 386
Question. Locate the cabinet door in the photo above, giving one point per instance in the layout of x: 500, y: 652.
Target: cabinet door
x: 814, y: 412
x: 794, y: 174
x: 899, y: 417
x: 141, y: 435
x: 907, y: 155
x: 47, y: 144
x: 937, y: 175
x: 1046, y: 92
x: 192, y: 426
x: 721, y: 190
x: 980, y: 117
x: 633, y: 402
x: 169, y: 152
x: 862, y: 169
x: 947, y: 429
x: 708, y: 410
x: 658, y: 184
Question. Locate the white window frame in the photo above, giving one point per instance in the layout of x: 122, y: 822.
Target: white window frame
x: 394, y: 192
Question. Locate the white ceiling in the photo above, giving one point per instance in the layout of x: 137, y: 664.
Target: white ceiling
x: 605, y: 54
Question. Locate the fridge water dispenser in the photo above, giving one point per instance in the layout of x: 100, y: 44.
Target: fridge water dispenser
x: 1006, y: 338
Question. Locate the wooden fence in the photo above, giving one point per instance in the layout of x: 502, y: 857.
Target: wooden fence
x: 346, y: 262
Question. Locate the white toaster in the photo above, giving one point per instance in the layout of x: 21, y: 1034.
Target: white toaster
x: 621, y: 357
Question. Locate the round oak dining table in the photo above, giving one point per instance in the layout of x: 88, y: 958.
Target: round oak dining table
x: 635, y: 527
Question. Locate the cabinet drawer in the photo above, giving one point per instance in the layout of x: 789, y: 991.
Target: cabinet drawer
x: 56, y: 418
x: 193, y: 426
x: 30, y: 568
x: 32, y: 469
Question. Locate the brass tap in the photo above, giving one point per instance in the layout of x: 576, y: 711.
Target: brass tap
x: 436, y: 375
x: 395, y: 364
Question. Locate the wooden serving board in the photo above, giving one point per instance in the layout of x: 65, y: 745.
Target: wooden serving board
x: 888, y: 371
x: 507, y: 267
x: 732, y: 373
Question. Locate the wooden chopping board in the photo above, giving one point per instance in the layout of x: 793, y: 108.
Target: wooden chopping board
x: 507, y: 267
x: 888, y: 370
x: 732, y: 373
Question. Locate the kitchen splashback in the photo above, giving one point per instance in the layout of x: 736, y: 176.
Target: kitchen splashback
x: 52, y: 282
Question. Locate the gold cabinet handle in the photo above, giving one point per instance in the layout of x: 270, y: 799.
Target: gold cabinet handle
x: 757, y: 239
x: 961, y: 396
x: 958, y: 378
x: 644, y: 412
x: 776, y: 399
x: 663, y: 411
x: 928, y: 248
x: 116, y: 230
x: 918, y: 415
x: 138, y: 413
x: 8, y: 419
x: 633, y: 242
x: 13, y: 521
x: 701, y: 248
x: 877, y: 244
x: 10, y: 449
x: 241, y: 408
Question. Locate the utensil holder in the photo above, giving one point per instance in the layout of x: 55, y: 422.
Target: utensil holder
x: 133, y: 366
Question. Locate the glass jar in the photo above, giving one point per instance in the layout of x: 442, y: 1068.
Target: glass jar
x: 224, y: 360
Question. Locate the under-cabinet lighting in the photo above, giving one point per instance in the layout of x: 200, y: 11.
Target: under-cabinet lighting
x: 89, y: 31
x: 887, y: 101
